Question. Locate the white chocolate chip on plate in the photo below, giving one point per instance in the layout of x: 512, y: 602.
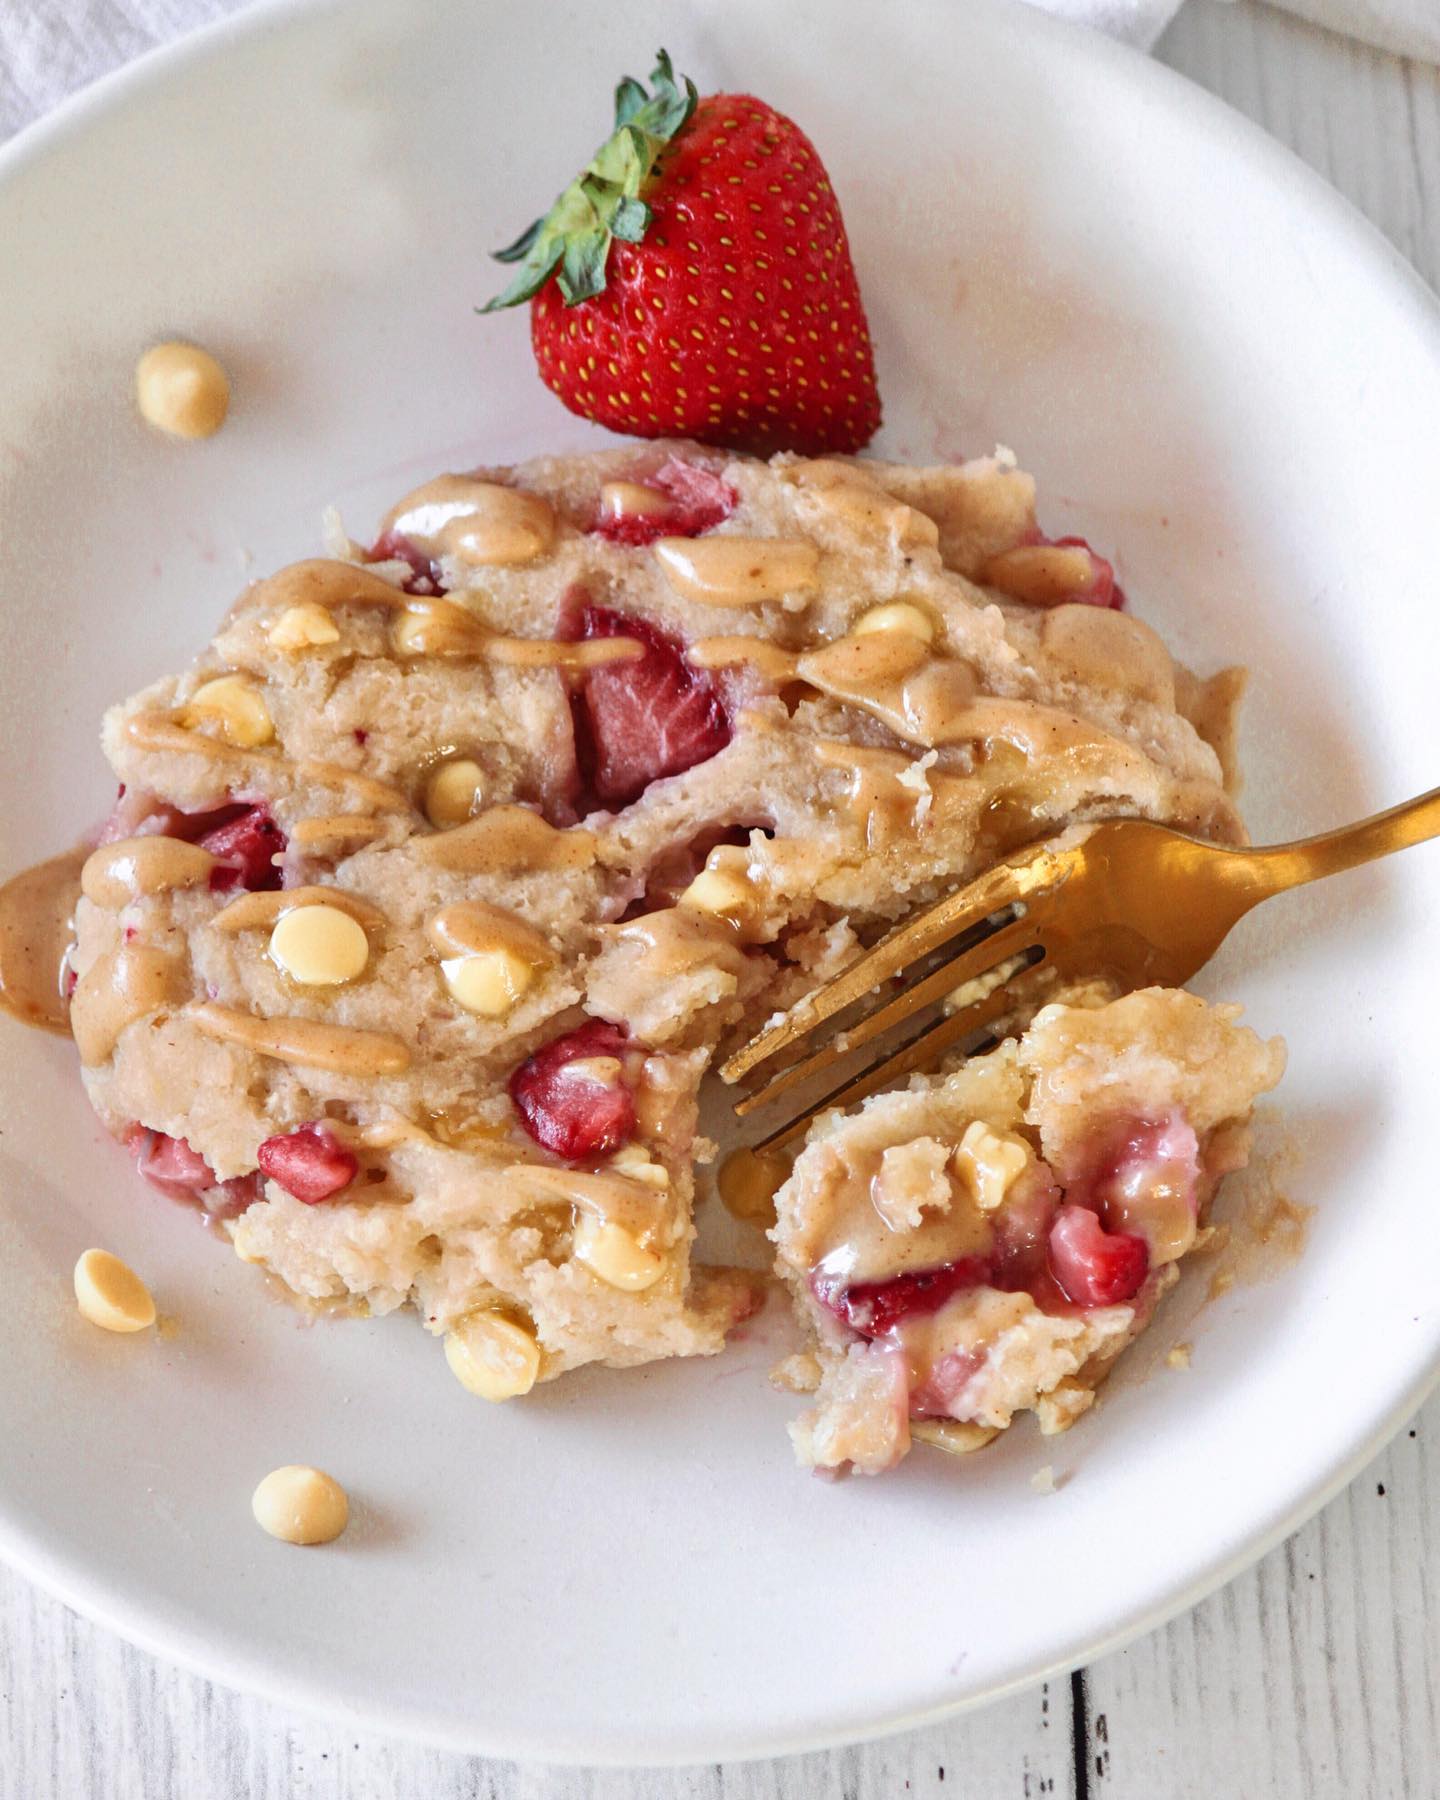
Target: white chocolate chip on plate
x: 182, y: 390
x: 110, y: 1294
x: 300, y: 1505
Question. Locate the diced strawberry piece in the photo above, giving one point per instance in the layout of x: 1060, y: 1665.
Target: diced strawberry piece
x: 1021, y: 1229
x: 170, y: 1163
x: 699, y: 501
x: 945, y: 1382
x: 246, y: 847
x: 235, y: 1196
x: 394, y: 546
x: 639, y: 721
x: 309, y: 1163
x: 1093, y: 1266
x: 139, y: 813
x: 875, y: 1307
x: 1104, y: 589
x: 574, y: 1115
x: 1144, y: 1176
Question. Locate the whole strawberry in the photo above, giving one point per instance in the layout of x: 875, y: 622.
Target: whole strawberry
x: 696, y: 281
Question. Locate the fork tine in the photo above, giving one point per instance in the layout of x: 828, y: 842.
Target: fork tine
x: 995, y: 948
x: 920, y: 1053
x: 965, y: 910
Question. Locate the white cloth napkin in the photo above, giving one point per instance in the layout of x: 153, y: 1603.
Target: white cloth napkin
x: 48, y: 48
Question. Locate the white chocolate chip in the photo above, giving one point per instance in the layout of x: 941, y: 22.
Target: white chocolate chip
x: 303, y: 627
x: 492, y: 1356
x: 182, y: 390
x: 899, y: 615
x: 488, y: 982
x: 634, y: 1161
x: 319, y: 945
x: 235, y: 706
x: 719, y: 891
x: 610, y: 1252
x: 300, y: 1505
x: 989, y: 1163
x: 454, y: 792
x: 603, y: 1071
x: 738, y: 571
x: 110, y: 1294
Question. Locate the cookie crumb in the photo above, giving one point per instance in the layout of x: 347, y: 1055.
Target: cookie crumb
x: 1179, y: 1356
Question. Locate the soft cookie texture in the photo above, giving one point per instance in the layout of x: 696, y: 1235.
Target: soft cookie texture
x: 584, y: 767
x: 989, y: 1241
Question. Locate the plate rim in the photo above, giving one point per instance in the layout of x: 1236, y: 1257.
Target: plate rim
x: 151, y: 1629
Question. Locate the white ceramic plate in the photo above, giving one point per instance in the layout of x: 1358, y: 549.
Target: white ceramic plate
x: 1209, y: 363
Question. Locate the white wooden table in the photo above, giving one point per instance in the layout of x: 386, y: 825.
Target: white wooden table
x: 1317, y: 1674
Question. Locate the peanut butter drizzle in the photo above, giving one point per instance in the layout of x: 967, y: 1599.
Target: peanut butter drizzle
x: 440, y: 627
x: 547, y: 653
x: 470, y: 926
x: 324, y: 581
x: 308, y: 1043
x: 1096, y: 646
x: 748, y: 1181
x: 35, y: 931
x: 380, y: 794
x: 636, y: 1206
x: 253, y: 912
x: 846, y: 1235
x: 123, y: 985
x: 510, y: 838
x: 476, y: 521
x: 385, y: 1134
x: 773, y: 662
x: 161, y: 731
x: 335, y: 828
x: 894, y: 677
x: 677, y: 939
x: 850, y: 493
x: 133, y: 868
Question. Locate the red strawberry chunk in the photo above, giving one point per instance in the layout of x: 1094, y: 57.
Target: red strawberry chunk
x: 874, y: 1307
x: 245, y: 847
x: 170, y: 1163
x: 1093, y: 1266
x: 574, y: 1115
x: 309, y: 1163
x: 1144, y: 1176
x: 639, y: 721
x: 394, y: 546
x: 139, y: 813
x: 699, y: 500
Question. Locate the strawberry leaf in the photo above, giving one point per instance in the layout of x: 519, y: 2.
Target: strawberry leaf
x: 606, y: 200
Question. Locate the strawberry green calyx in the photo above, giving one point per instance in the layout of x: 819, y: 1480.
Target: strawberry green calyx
x: 572, y: 241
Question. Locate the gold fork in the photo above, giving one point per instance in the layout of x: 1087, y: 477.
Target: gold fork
x: 1134, y: 901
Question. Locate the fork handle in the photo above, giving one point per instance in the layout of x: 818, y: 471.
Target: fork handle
x: 1282, y: 866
